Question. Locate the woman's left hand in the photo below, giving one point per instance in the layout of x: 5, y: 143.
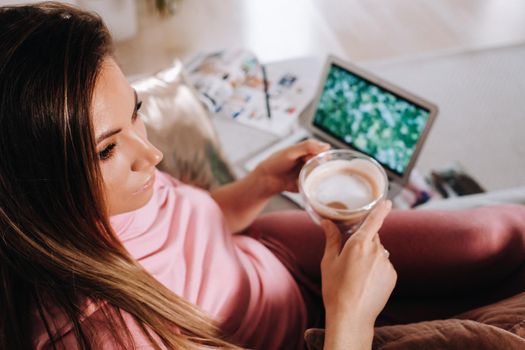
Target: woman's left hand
x: 280, y: 171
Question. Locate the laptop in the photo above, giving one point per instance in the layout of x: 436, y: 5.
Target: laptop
x: 355, y: 109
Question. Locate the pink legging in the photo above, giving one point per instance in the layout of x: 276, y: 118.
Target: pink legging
x: 447, y: 261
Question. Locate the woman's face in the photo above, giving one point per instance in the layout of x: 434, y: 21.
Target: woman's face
x: 126, y: 157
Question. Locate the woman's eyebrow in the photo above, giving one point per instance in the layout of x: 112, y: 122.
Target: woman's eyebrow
x: 109, y: 133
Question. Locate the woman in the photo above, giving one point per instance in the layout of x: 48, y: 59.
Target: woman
x: 101, y: 250
x: 75, y: 154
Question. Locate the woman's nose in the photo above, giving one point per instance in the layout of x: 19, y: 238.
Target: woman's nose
x: 147, y: 156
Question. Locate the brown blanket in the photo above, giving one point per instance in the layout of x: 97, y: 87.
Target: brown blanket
x: 496, y: 326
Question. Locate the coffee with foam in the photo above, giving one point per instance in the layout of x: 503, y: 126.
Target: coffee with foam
x: 341, y: 189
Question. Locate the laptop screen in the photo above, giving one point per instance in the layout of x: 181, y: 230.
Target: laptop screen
x: 370, y: 119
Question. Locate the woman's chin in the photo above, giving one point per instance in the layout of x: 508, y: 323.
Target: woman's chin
x: 137, y: 201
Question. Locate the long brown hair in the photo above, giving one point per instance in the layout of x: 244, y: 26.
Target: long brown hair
x: 57, y: 247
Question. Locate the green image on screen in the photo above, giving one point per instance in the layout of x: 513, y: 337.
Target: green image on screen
x: 370, y: 119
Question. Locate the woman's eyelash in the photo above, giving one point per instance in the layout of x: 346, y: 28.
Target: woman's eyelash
x: 137, y: 108
x: 107, y: 152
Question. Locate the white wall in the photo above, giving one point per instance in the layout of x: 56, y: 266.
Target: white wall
x: 119, y: 15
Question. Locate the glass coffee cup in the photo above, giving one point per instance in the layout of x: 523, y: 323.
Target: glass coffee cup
x: 342, y: 186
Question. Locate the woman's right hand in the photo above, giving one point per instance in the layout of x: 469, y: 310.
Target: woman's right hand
x: 358, y: 279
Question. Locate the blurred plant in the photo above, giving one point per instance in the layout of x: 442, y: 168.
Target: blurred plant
x: 166, y: 7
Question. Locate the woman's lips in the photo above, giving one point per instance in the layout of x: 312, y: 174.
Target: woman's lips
x: 147, y: 185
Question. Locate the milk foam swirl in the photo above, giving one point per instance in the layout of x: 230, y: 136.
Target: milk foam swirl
x: 344, y: 184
